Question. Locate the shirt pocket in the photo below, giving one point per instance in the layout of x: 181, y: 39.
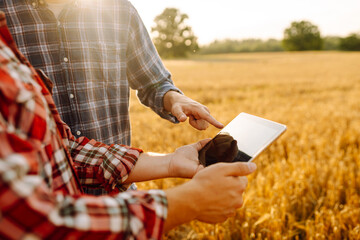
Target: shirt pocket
x: 104, y: 52
x: 104, y: 63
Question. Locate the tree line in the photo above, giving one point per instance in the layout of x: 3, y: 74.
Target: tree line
x: 174, y: 38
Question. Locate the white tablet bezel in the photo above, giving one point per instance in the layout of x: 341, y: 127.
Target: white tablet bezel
x: 277, y: 127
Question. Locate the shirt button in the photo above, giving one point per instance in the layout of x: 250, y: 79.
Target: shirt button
x: 66, y: 59
x: 71, y: 95
x: 78, y: 133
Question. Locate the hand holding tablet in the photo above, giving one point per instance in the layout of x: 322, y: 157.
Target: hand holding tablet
x: 243, y: 139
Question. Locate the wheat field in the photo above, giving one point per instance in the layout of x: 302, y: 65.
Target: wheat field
x: 307, y: 185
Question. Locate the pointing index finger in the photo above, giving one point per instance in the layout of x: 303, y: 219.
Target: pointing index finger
x: 210, y: 119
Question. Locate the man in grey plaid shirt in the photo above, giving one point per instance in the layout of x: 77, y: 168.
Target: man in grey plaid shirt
x: 94, y: 52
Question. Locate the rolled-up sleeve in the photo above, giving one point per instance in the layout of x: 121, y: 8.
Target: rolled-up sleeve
x: 30, y: 210
x: 145, y: 70
x: 101, y: 166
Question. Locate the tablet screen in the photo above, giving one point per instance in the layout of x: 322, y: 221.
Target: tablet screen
x: 250, y: 135
x: 241, y: 140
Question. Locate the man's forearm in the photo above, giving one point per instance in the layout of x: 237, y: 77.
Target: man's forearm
x: 182, y: 205
x: 150, y: 166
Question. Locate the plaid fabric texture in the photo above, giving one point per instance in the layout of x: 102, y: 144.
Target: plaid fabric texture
x: 94, y: 53
x: 43, y: 168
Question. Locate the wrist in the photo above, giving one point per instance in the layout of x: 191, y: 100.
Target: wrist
x: 183, y: 205
x: 193, y: 196
x: 159, y: 163
x: 172, y: 171
x: 169, y: 99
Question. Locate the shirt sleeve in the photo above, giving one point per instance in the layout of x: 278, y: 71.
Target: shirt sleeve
x: 145, y: 70
x: 30, y: 209
x: 98, y: 166
x: 102, y: 166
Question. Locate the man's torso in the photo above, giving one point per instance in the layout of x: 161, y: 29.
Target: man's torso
x: 83, y: 52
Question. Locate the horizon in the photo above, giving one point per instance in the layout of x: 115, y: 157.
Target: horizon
x: 257, y: 19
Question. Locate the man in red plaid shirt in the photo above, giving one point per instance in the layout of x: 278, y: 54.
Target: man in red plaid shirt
x: 43, y: 169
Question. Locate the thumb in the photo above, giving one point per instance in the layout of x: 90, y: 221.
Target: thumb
x: 179, y: 114
x: 238, y: 168
x: 200, y: 144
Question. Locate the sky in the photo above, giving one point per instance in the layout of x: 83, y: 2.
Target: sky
x: 239, y: 19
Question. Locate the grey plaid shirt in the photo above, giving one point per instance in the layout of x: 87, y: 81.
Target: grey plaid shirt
x: 94, y: 53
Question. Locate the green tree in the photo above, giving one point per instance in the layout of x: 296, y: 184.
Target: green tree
x: 301, y: 36
x: 172, y: 36
x: 350, y: 43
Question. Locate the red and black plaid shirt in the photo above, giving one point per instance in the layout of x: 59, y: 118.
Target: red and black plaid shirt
x: 43, y: 168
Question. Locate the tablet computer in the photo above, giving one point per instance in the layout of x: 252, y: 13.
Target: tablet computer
x: 243, y: 139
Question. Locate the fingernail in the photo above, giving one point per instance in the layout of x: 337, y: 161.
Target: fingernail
x: 252, y: 166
